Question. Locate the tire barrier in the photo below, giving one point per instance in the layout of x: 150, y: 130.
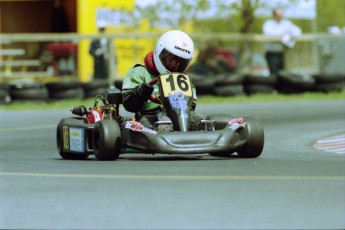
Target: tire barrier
x: 203, y: 85
x: 65, y: 90
x: 28, y: 91
x: 94, y: 88
x: 329, y: 82
x: 284, y: 82
x: 292, y: 83
x: 254, y: 84
x: 229, y: 84
x: 5, y: 97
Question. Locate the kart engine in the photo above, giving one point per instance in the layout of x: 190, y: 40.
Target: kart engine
x: 104, y: 108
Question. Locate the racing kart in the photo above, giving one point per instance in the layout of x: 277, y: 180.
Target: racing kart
x: 103, y: 132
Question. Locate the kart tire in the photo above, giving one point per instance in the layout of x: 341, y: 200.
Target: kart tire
x: 107, y: 140
x: 94, y: 92
x: 329, y: 87
x: 299, y: 82
x: 257, y: 88
x: 95, y: 84
x: 228, y: 79
x: 64, y: 155
x: 4, y: 97
x: 229, y: 90
x: 203, y: 85
x: 95, y: 87
x: 253, y: 79
x: 76, y: 93
x: 29, y: 94
x: 62, y: 85
x: 254, y: 134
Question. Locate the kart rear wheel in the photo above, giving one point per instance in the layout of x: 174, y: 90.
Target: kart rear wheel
x: 59, y: 142
x: 254, y: 134
x: 107, y: 140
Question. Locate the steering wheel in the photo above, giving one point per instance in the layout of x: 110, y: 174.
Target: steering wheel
x: 151, y: 97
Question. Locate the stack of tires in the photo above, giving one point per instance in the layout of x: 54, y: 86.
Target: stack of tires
x: 5, y: 97
x: 204, y: 85
x: 28, y: 90
x: 95, y: 87
x: 259, y: 84
x: 65, y: 90
x: 229, y: 84
x: 329, y: 82
x: 292, y: 83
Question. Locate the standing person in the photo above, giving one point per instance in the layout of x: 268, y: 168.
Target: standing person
x: 173, y: 53
x: 279, y: 27
x: 99, y: 51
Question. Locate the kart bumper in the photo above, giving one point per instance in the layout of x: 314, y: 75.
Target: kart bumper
x: 185, y: 142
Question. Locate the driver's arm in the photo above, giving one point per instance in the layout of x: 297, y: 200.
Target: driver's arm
x: 135, y: 91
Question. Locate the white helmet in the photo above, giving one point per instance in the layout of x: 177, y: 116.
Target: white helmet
x: 174, y: 51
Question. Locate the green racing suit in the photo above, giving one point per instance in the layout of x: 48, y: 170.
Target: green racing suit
x: 132, y: 100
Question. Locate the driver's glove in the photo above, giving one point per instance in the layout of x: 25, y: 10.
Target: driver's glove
x: 143, y: 90
x: 134, y: 99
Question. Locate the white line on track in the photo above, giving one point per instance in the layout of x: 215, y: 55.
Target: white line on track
x: 334, y: 144
x: 172, y: 177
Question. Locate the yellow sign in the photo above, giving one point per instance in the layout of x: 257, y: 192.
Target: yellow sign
x: 116, y: 14
x: 90, y: 12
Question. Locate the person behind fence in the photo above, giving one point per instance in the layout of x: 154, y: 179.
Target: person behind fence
x: 173, y: 52
x: 99, y: 51
x: 287, y: 31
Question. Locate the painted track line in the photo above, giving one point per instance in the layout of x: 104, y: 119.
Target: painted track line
x: 334, y: 144
x: 170, y: 177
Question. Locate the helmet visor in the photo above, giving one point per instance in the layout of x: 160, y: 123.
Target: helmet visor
x: 172, y: 62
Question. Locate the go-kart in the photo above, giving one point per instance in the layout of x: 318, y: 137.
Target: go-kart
x: 102, y: 131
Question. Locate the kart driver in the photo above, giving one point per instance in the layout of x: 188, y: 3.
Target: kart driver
x: 173, y: 53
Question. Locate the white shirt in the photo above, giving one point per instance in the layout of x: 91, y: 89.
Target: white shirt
x: 283, y: 28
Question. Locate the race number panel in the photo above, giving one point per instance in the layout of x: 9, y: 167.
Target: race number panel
x: 73, y: 139
x: 76, y: 139
x: 174, y: 83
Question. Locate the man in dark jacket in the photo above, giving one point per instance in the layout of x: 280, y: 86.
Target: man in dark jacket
x: 99, y: 51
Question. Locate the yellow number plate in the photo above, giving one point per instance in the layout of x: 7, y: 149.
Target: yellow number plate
x: 176, y: 82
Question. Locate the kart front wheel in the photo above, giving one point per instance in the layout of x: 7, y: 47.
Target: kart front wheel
x: 107, y: 140
x: 254, y: 135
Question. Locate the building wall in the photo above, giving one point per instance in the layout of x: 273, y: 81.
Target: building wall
x: 34, y: 16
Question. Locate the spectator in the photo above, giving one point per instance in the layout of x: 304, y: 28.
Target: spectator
x: 279, y: 27
x: 99, y: 51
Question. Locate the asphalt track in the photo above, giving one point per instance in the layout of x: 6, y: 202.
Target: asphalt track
x: 291, y: 186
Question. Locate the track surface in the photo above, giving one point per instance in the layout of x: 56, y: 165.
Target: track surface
x: 292, y: 185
